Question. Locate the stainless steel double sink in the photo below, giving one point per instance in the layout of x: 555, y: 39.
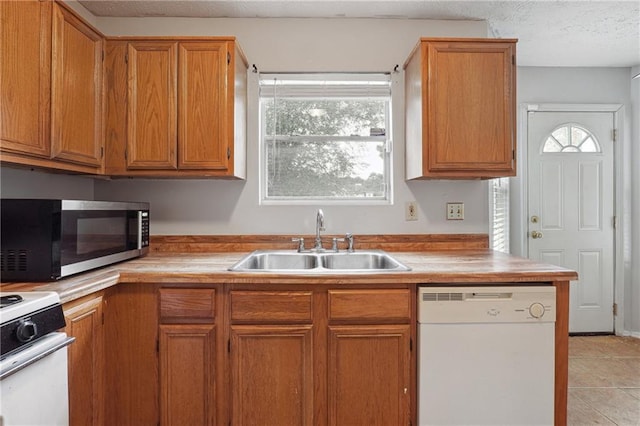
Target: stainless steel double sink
x: 285, y: 261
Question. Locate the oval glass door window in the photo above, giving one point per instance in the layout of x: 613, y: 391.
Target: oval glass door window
x: 570, y: 138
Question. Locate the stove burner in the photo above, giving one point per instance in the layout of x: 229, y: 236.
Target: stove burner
x: 10, y: 300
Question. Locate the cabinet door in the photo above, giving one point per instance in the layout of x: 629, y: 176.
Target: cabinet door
x: 272, y: 375
x: 471, y: 107
x: 76, y: 92
x: 369, y: 375
x: 187, y: 374
x: 86, y: 365
x: 131, y: 329
x: 203, y: 104
x: 151, y: 115
x: 25, y: 84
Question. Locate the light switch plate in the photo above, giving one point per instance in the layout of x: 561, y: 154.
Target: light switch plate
x: 455, y: 211
x: 411, y: 211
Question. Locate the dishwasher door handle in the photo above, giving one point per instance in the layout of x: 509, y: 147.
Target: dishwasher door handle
x: 489, y: 296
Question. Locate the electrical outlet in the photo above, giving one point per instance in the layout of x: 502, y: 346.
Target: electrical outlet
x: 455, y: 211
x: 411, y: 210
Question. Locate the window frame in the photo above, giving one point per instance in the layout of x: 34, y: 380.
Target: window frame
x: 350, y: 93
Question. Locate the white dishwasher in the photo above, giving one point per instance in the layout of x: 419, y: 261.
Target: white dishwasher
x: 486, y: 355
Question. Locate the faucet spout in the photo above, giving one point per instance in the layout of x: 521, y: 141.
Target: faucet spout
x: 319, y: 227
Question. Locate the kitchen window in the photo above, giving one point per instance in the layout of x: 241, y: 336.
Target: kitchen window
x: 499, y: 214
x: 325, y: 137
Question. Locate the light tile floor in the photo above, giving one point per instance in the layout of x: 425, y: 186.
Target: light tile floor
x: 604, y: 380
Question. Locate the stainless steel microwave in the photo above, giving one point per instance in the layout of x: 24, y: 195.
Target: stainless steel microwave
x: 44, y: 240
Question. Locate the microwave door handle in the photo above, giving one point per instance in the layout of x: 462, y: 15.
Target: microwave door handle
x: 139, y: 229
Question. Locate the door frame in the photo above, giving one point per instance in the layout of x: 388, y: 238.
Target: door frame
x: 520, y: 199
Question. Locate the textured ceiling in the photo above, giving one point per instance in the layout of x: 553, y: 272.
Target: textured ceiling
x: 579, y: 33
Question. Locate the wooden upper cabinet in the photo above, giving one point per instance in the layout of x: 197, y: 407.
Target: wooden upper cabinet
x: 152, y: 106
x: 76, y: 90
x: 203, y: 106
x: 460, y: 109
x: 50, y: 88
x: 25, y: 84
x: 186, y: 107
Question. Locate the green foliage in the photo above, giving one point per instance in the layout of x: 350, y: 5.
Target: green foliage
x: 326, y: 168
x: 329, y: 117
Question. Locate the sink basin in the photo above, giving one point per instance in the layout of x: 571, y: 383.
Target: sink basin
x: 368, y: 260
x: 276, y: 260
x: 284, y: 261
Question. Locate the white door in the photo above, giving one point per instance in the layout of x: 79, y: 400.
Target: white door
x: 571, y: 207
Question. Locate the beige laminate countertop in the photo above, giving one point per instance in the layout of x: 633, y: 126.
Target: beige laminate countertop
x: 450, y: 266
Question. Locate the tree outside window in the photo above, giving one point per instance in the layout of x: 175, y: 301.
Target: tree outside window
x: 322, y: 142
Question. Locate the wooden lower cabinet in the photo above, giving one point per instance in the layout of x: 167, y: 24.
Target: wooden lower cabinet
x: 131, y: 355
x: 369, y: 375
x: 85, y: 358
x: 272, y: 375
x: 370, y: 356
x: 321, y: 356
x: 188, y: 356
x: 285, y: 354
x: 187, y: 374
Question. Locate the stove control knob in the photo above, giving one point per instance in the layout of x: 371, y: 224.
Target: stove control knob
x: 536, y: 310
x: 26, y: 331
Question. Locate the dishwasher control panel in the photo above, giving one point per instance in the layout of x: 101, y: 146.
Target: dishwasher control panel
x: 487, y: 304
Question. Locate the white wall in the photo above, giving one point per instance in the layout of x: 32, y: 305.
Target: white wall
x: 25, y: 183
x: 231, y: 207
x: 287, y: 44
x: 592, y: 86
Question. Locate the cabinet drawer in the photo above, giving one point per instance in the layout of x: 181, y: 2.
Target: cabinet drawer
x: 370, y: 305
x: 271, y: 306
x: 187, y: 303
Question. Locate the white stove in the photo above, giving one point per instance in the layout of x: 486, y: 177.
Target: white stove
x: 33, y: 360
x: 16, y: 304
x: 26, y: 317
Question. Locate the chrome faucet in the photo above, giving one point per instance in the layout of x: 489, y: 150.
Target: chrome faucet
x: 319, y: 227
x: 349, y: 238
